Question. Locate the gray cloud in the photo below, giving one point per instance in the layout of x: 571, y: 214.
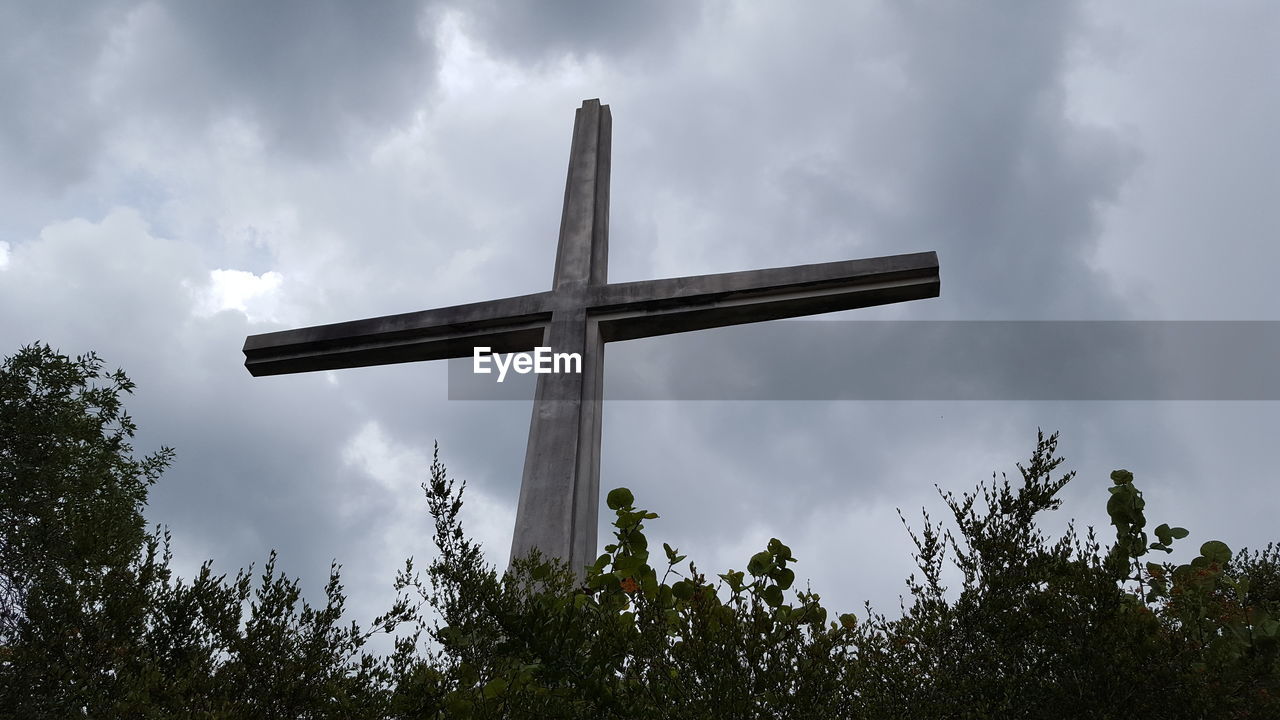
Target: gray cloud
x: 539, y: 32
x: 1048, y: 157
x: 306, y: 74
x: 48, y: 133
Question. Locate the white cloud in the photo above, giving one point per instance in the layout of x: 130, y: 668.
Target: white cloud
x: 4, y: 255
x: 257, y: 296
x: 399, y: 469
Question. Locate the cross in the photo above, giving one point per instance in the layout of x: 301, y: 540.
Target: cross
x: 560, y: 487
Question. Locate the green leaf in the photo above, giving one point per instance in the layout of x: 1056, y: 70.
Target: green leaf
x: 683, y: 589
x: 1178, y: 533
x: 785, y: 577
x: 772, y: 595
x: 778, y: 550
x: 672, y: 557
x: 458, y: 706
x: 495, y: 687
x: 734, y: 578
x: 785, y: 554
x: 619, y: 498
x: 1120, y: 477
x: 1164, y: 534
x: 648, y: 575
x: 1119, y: 505
x: 1216, y: 551
x: 627, y: 565
x: 761, y: 563
x: 818, y: 615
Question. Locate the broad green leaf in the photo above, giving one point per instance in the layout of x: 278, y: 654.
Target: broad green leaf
x: 736, y: 579
x: 785, y: 577
x: 619, y: 498
x: 627, y: 565
x: 683, y: 589
x: 819, y: 615
x: 1216, y: 551
x: 495, y: 687
x: 1121, y: 477
x: 458, y: 706
x: 760, y: 564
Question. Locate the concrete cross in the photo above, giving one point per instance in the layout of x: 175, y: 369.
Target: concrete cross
x: 560, y: 488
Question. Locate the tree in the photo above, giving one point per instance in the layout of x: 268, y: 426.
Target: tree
x: 1040, y: 628
x: 73, y: 499
x: 96, y: 625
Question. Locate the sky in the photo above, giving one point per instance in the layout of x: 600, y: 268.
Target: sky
x: 175, y: 177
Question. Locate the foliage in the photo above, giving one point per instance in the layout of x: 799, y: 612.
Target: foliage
x: 95, y: 624
x: 73, y: 495
x: 625, y: 641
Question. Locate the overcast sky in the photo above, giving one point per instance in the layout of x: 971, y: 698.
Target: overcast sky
x: 174, y: 177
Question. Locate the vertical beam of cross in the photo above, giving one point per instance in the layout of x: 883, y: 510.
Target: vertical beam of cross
x: 560, y: 488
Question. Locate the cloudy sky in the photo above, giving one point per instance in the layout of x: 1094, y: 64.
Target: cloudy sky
x: 174, y: 177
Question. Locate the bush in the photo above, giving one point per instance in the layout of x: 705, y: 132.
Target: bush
x: 94, y: 624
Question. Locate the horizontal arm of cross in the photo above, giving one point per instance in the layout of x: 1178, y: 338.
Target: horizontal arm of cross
x: 512, y: 324
x: 627, y: 311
